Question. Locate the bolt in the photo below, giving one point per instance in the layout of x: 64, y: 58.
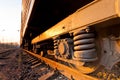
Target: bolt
x: 72, y: 78
x: 87, y: 29
x: 63, y: 27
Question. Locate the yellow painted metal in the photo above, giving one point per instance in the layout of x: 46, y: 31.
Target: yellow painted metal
x: 117, y: 4
x: 68, y: 72
x: 61, y: 27
x: 93, y: 13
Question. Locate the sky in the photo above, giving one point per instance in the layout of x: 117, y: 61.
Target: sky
x: 10, y: 20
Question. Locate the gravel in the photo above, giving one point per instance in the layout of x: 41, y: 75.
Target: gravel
x: 16, y: 65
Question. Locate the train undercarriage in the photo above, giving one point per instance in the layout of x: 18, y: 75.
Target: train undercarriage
x: 85, y: 40
x: 85, y: 49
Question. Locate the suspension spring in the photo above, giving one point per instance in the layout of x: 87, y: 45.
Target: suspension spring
x: 56, y: 47
x: 84, y: 46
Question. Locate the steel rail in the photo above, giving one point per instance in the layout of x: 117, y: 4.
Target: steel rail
x: 5, y: 50
x: 68, y: 72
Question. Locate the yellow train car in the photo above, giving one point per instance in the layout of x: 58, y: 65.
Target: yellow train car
x: 83, y: 33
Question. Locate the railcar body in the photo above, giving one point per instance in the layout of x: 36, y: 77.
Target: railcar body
x: 83, y: 33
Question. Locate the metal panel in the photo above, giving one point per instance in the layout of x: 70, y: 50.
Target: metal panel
x: 93, y: 13
x: 118, y: 7
x: 26, y: 13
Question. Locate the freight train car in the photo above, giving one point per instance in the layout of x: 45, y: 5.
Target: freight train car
x: 83, y: 33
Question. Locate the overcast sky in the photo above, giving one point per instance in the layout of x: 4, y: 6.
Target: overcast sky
x: 10, y: 20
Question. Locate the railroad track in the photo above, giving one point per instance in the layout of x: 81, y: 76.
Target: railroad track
x: 36, y: 69
x: 5, y: 50
x: 66, y: 71
x: 18, y: 65
x: 24, y: 65
x: 9, y: 64
x: 4, y: 54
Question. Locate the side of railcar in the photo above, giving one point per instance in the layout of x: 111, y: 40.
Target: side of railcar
x: 85, y: 35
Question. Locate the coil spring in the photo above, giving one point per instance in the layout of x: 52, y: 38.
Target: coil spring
x: 84, y: 46
x: 55, y: 47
